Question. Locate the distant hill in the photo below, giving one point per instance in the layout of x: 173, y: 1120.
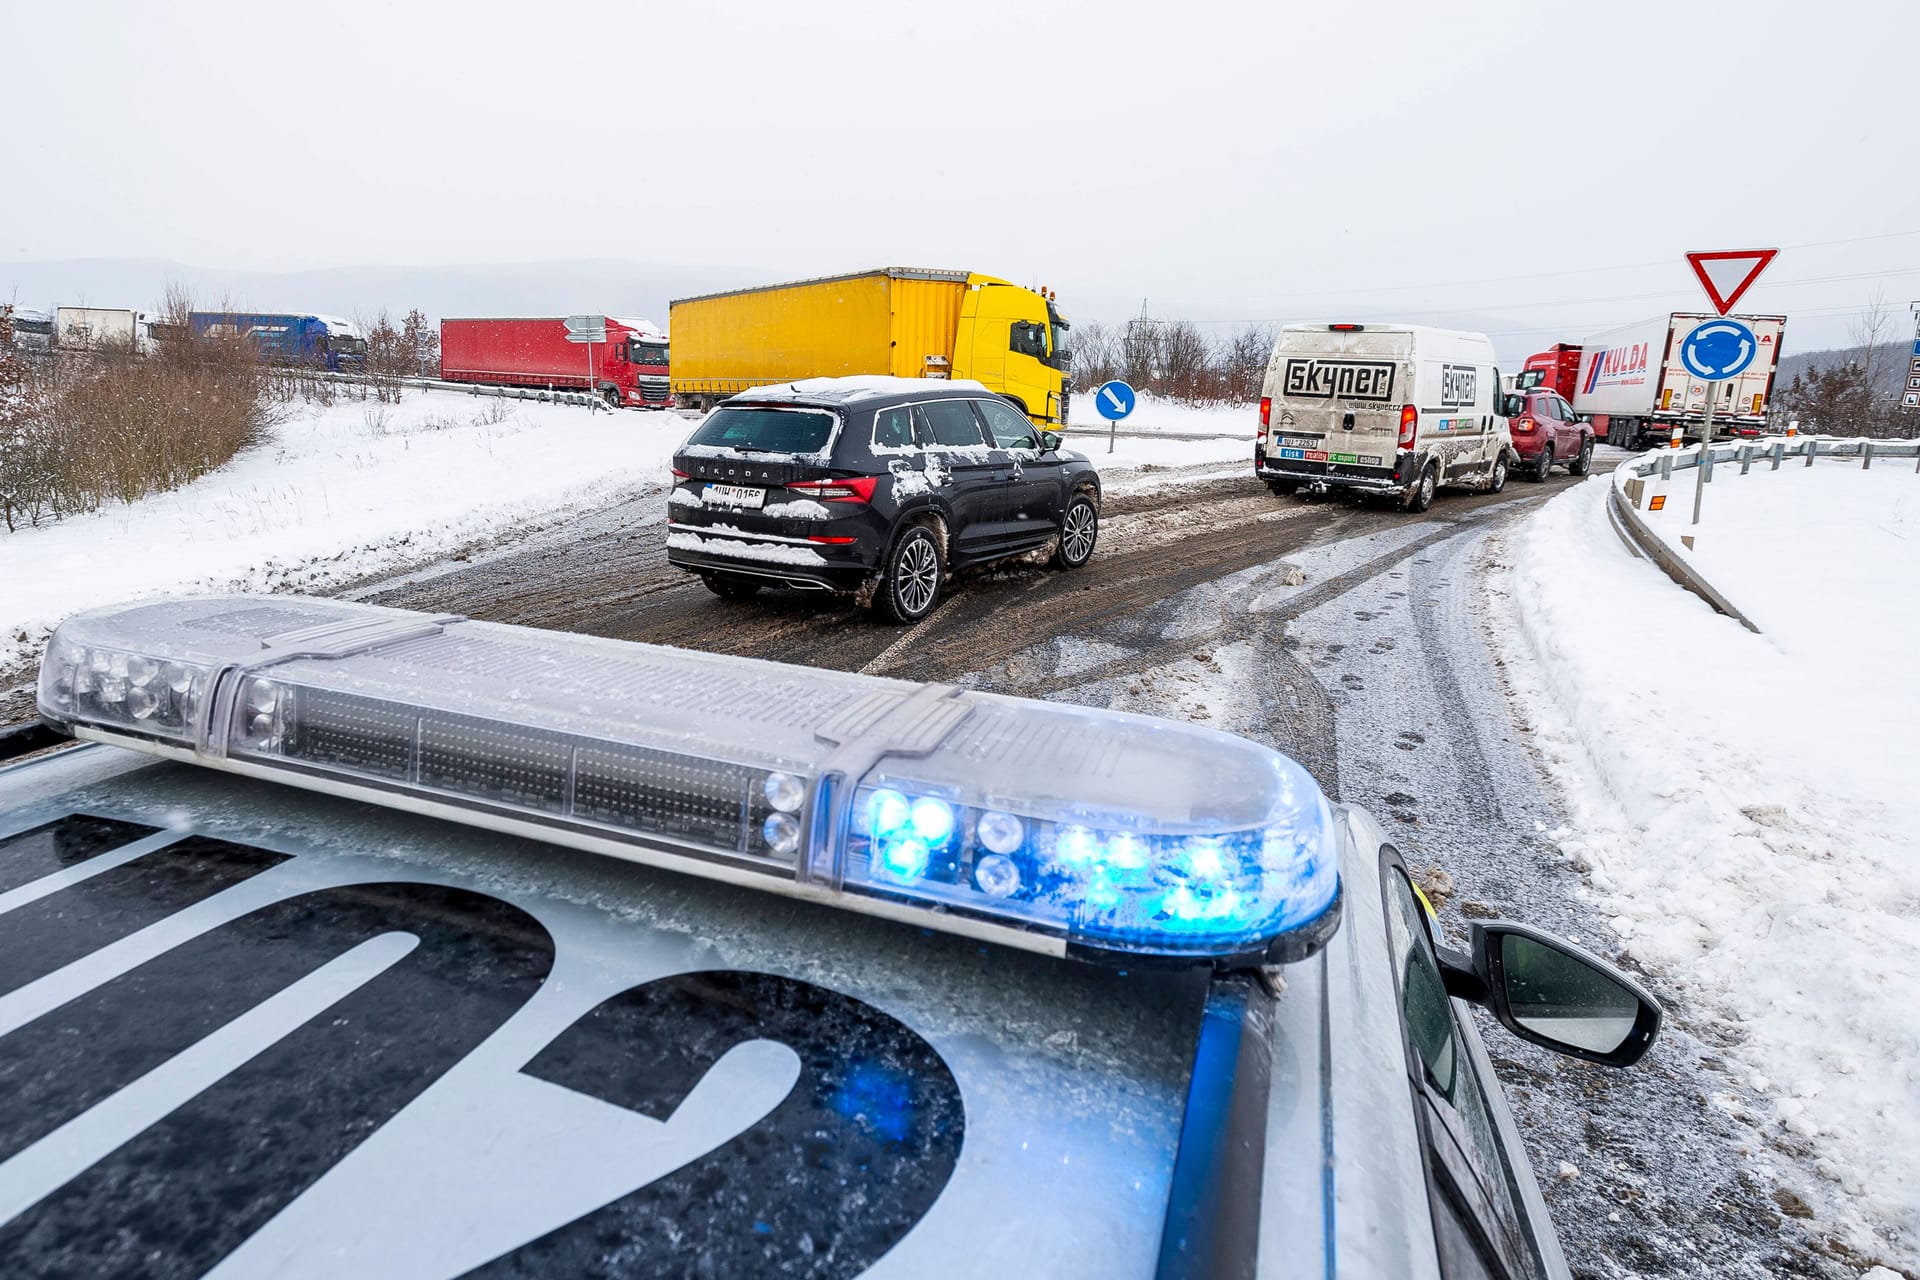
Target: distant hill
x: 526, y: 288
x: 1893, y: 360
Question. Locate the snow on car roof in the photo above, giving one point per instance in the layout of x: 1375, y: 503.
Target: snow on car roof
x: 858, y: 386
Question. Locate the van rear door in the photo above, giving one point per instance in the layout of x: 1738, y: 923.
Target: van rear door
x: 1337, y: 395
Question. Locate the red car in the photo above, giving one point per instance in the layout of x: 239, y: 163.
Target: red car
x: 1547, y: 435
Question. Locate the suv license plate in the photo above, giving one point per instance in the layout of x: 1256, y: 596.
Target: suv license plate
x: 733, y: 495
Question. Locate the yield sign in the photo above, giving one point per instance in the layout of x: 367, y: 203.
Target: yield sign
x: 1728, y: 273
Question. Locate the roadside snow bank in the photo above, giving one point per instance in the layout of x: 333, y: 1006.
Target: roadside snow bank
x: 1743, y: 805
x: 331, y: 495
x: 338, y: 493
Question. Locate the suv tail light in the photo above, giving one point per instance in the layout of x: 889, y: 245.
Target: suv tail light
x: 853, y: 489
x: 678, y: 474
x: 1409, y: 425
x: 1525, y: 425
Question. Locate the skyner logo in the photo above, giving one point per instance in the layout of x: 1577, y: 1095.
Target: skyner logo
x: 1616, y: 362
x: 1458, y: 385
x: 1340, y: 379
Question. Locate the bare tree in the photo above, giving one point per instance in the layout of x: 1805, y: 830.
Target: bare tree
x: 1186, y: 363
x: 1243, y: 361
x: 1849, y: 395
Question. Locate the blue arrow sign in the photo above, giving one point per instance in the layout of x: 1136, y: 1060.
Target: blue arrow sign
x: 1718, y: 350
x: 1114, y: 400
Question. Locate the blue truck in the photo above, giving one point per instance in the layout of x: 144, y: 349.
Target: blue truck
x: 321, y: 341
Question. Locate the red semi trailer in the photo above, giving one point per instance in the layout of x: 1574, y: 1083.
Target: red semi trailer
x: 629, y: 368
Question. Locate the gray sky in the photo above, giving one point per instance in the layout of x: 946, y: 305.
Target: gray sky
x: 1221, y: 161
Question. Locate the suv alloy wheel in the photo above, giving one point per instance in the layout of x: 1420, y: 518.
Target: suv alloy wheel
x: 1079, y: 530
x: 910, y: 583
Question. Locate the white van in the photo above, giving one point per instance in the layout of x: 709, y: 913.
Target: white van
x: 1385, y: 409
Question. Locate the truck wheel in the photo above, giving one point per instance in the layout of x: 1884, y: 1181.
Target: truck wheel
x: 910, y: 584
x: 729, y: 586
x: 612, y: 396
x: 1420, y: 496
x: 1542, y: 467
x: 1498, y: 480
x: 1079, y: 530
x: 1584, y: 463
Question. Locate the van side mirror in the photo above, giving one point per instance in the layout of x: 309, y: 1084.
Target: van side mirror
x: 1050, y: 440
x: 1550, y: 992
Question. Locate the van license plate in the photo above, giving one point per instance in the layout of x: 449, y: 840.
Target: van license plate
x: 733, y: 495
x: 1300, y: 442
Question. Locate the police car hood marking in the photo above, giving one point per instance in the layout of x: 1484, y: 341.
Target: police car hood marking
x: 635, y: 1089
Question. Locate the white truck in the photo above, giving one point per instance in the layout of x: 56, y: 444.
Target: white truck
x: 92, y: 328
x: 1634, y: 389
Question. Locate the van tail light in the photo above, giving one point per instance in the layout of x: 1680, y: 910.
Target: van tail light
x: 1266, y: 413
x: 1409, y: 425
x: 854, y: 489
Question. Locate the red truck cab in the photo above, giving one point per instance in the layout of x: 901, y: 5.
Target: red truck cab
x: 1557, y: 369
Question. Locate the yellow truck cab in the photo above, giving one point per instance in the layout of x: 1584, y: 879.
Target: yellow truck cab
x: 906, y: 322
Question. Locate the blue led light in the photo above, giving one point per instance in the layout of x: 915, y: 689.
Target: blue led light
x: 1109, y: 878
x: 1127, y: 852
x: 932, y: 820
x: 1077, y: 846
x: 887, y: 814
x: 905, y: 859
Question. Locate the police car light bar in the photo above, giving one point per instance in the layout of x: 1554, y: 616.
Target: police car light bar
x: 1062, y: 829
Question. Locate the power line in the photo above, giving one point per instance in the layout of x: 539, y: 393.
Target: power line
x: 1553, y: 275
x: 1402, y: 314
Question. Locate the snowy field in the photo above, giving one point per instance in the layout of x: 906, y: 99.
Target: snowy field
x: 335, y: 494
x: 1150, y: 413
x: 1744, y: 805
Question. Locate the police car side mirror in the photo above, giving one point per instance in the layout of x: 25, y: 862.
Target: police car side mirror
x: 1050, y: 440
x: 1552, y: 993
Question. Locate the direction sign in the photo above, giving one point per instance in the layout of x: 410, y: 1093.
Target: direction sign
x: 1718, y: 350
x: 586, y: 328
x: 1114, y: 400
x: 1727, y: 273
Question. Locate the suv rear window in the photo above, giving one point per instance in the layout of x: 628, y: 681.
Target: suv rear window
x: 766, y: 430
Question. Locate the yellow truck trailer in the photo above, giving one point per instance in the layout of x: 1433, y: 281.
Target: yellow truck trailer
x: 907, y: 322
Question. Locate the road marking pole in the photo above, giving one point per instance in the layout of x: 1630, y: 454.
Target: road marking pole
x: 1706, y: 454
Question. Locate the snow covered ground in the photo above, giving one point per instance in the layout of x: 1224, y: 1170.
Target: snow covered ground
x: 1743, y: 805
x: 338, y: 493
x: 1151, y: 413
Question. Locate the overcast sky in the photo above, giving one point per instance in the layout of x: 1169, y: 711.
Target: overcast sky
x: 1538, y: 169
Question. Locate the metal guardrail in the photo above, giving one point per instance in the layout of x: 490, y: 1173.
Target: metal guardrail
x: 1777, y: 451
x: 545, y: 395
